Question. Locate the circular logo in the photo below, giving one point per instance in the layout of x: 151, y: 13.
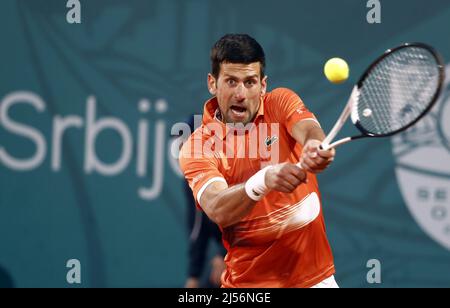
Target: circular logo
x: 423, y: 169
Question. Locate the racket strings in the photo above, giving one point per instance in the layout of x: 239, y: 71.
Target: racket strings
x: 398, y: 90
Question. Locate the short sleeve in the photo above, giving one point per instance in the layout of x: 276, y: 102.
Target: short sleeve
x: 199, y: 170
x: 292, y: 109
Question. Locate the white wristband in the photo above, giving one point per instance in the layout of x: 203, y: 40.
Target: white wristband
x: 255, y: 187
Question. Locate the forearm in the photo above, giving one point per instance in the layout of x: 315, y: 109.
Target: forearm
x: 315, y: 133
x: 307, y: 130
x: 229, y: 206
x: 310, y: 136
x: 198, y: 247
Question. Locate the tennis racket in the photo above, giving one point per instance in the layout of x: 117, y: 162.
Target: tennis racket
x: 395, y: 92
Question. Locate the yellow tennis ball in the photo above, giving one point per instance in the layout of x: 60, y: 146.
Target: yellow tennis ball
x: 336, y: 70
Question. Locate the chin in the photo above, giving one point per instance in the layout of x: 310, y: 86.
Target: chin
x: 235, y: 121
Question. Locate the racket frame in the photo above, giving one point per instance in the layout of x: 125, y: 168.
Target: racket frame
x: 353, y: 101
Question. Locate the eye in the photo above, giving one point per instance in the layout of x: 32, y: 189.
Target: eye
x: 231, y: 82
x: 249, y: 83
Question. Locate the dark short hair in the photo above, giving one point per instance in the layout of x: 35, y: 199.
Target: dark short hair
x: 236, y: 48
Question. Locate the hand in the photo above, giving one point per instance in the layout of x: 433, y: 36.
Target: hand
x: 217, y: 268
x: 284, y: 177
x: 315, y: 160
x: 192, y: 283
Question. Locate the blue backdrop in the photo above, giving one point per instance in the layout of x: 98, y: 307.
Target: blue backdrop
x: 86, y: 112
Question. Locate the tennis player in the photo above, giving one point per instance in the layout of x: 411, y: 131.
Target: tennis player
x: 267, y: 204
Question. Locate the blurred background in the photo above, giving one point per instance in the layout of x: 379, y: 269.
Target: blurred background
x: 86, y: 117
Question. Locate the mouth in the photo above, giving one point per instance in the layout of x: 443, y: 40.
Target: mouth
x: 238, y: 111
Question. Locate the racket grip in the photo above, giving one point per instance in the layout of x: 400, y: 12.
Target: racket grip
x: 324, y: 147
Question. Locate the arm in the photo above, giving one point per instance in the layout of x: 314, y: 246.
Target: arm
x: 217, y: 268
x: 222, y: 204
x: 305, y: 130
x: 310, y: 135
x: 301, y: 125
x: 198, y: 246
x: 228, y: 205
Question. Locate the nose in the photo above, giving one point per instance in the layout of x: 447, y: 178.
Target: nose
x: 239, y: 94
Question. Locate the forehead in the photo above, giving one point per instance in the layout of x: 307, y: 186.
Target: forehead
x: 240, y: 70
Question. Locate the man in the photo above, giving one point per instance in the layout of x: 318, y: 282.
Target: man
x: 267, y: 207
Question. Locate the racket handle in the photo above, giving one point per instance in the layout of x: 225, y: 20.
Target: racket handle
x: 324, y: 147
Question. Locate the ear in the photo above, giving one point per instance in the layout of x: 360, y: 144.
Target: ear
x: 212, y: 84
x: 263, y: 86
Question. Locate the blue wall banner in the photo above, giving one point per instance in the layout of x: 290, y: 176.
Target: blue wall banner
x: 90, y: 95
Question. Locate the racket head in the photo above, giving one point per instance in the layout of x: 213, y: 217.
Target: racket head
x: 398, y: 89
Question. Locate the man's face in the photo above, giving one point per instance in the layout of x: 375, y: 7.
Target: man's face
x: 238, y: 89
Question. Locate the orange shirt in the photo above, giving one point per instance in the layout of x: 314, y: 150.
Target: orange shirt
x: 281, y: 242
